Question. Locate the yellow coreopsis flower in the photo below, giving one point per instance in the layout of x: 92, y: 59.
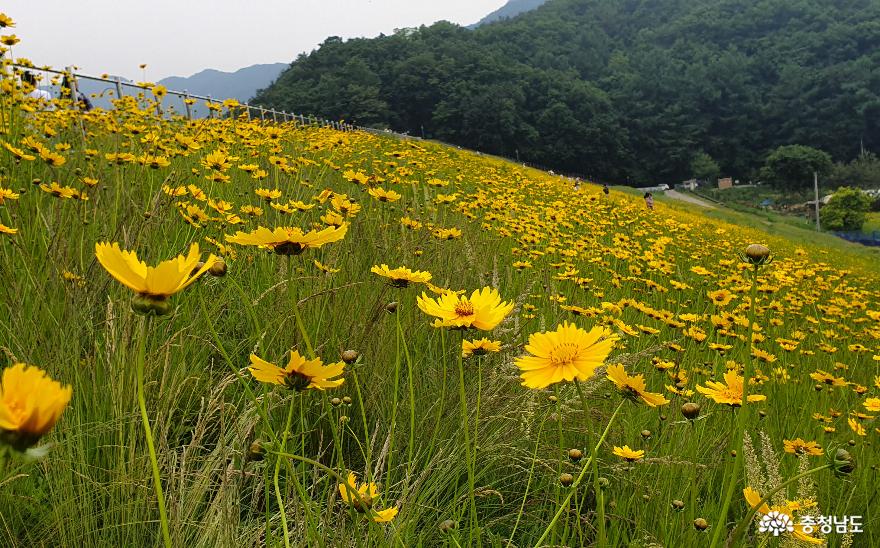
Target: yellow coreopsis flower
x: 566, y: 354
x: 7, y: 230
x: 798, y: 446
x: 478, y: 347
x: 289, y: 240
x: 299, y: 374
x: 634, y: 387
x: 401, y: 276
x: 363, y: 497
x: 154, y: 284
x: 872, y: 404
x: 629, y: 454
x: 384, y: 195
x: 30, y: 404
x: 730, y: 392
x: 753, y: 498
x: 483, y: 309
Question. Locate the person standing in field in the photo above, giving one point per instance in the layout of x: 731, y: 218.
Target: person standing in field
x: 605, y: 189
x: 40, y: 95
x: 649, y: 200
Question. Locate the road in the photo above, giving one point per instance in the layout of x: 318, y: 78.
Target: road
x: 676, y: 195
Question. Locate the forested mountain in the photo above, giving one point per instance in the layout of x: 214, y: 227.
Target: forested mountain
x: 241, y: 84
x: 511, y: 9
x: 624, y: 90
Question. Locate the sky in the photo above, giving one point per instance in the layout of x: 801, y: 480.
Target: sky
x: 182, y: 37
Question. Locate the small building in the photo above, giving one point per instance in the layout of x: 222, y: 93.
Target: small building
x: 726, y: 182
x: 690, y: 184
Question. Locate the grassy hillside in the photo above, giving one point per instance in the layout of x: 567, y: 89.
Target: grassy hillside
x: 463, y: 452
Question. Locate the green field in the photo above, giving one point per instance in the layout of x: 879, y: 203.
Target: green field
x: 461, y: 452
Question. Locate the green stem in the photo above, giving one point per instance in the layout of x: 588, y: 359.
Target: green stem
x: 412, y: 393
x: 148, y: 432
x: 467, y: 444
x: 737, y: 439
x: 597, y: 489
x: 275, y: 483
x: 580, y: 477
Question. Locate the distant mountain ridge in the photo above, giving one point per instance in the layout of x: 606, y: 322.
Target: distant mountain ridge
x: 242, y: 84
x: 511, y: 9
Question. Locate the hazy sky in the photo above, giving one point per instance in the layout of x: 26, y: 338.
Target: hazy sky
x: 181, y: 37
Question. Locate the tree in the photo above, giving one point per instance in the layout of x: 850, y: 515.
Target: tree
x: 846, y: 210
x: 792, y: 166
x: 704, y: 168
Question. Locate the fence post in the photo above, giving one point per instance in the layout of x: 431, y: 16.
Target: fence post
x: 189, y: 112
x: 118, y: 88
x: 210, y: 104
x: 72, y: 83
x: 274, y: 116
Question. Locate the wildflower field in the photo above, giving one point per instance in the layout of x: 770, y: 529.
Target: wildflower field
x: 241, y: 333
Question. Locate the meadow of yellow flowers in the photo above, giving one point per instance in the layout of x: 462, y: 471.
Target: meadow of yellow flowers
x: 229, y: 332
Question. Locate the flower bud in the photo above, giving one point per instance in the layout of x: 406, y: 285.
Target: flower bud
x: 575, y: 454
x: 335, y: 402
x: 690, y: 410
x: 350, y: 356
x: 757, y: 254
x: 346, y: 400
x: 146, y: 305
x: 391, y: 307
x: 700, y: 524
x: 566, y: 479
x: 604, y: 483
x: 218, y: 269
x: 678, y: 505
x: 646, y: 434
x: 844, y: 463
x: 447, y: 525
x: 256, y: 451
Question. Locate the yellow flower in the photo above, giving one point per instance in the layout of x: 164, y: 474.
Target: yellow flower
x: 7, y: 194
x: 634, y: 387
x: 384, y: 195
x: 753, y: 498
x: 5, y: 21
x: 300, y: 373
x: 402, y: 276
x: 730, y: 393
x: 289, y: 241
x: 566, y: 354
x: 363, y: 497
x: 483, y: 310
x: 626, y: 453
x: 872, y: 404
x: 324, y: 268
x: 478, y: 347
x: 156, y: 283
x: 7, y: 230
x: 30, y: 404
x: 722, y: 297
x: 9, y: 40
x: 59, y: 191
x: 798, y: 446
x: 856, y: 427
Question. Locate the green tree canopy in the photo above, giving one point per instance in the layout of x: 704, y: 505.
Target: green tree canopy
x: 793, y: 166
x: 704, y: 168
x: 846, y: 210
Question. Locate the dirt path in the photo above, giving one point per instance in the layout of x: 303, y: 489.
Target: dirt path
x: 676, y: 195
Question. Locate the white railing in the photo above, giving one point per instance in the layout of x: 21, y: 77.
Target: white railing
x: 276, y: 116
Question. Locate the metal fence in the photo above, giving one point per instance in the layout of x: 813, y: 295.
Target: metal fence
x: 872, y: 239
x: 189, y: 108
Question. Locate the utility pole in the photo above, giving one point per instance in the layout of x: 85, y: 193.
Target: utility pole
x: 816, y: 187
